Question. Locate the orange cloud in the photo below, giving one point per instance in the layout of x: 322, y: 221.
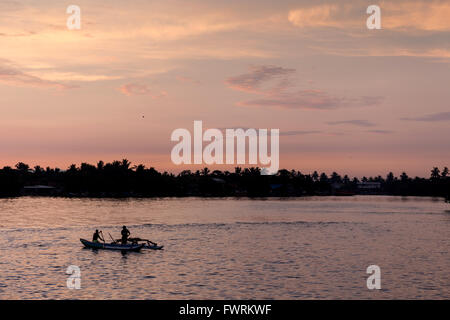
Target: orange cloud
x: 422, y: 15
x: 317, y: 16
x: 429, y: 15
x: 133, y: 89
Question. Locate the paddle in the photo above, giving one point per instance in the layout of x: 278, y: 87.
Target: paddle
x: 114, y: 241
x: 103, y: 237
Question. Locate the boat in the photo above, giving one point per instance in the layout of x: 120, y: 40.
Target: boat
x: 111, y: 246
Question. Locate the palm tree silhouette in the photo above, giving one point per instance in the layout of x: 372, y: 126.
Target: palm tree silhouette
x: 444, y: 172
x: 205, y: 171
x: 435, y: 173
x: 119, y: 179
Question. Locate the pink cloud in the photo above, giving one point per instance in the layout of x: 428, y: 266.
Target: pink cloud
x: 133, y: 89
x: 303, y: 99
x: 275, y: 88
x: 13, y: 76
x: 259, y: 76
x: 435, y: 117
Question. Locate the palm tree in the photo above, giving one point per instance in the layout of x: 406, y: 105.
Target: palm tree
x: 404, y: 177
x: 283, y: 173
x: 346, y: 179
x: 86, y: 167
x: 435, y: 173
x: 140, y: 168
x: 100, y: 165
x: 205, y: 171
x: 185, y: 173
x: 23, y: 167
x: 125, y: 164
x: 444, y: 173
x: 115, y: 164
x: 255, y: 171
x: 315, y: 176
x: 390, y: 177
x: 37, y: 169
x: 335, y: 177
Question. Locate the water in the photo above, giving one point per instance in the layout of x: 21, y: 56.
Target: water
x: 304, y: 248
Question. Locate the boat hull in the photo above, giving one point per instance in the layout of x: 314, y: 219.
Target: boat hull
x: 111, y: 246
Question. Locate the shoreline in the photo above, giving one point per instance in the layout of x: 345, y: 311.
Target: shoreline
x: 237, y: 197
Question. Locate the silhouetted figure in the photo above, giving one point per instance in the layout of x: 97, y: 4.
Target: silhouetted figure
x: 125, y: 233
x: 97, y: 235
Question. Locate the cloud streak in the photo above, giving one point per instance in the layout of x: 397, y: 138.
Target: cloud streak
x: 435, y: 117
x: 303, y: 99
x: 282, y: 133
x: 358, y: 123
x: 11, y: 75
x: 429, y: 15
x: 261, y: 75
x: 275, y: 87
x: 380, y: 131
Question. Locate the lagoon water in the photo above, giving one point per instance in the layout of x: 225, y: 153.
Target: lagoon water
x: 302, y: 248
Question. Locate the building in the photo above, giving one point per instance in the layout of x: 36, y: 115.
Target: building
x: 368, y: 187
x: 38, y: 190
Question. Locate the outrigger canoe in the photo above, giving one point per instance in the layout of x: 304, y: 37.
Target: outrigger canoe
x: 112, y: 246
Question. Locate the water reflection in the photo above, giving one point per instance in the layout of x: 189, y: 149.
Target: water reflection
x: 227, y: 249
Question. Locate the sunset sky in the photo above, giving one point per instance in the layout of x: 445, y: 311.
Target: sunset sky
x: 345, y: 98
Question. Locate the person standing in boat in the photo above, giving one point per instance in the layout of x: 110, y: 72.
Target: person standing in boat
x: 97, y: 235
x: 125, y: 234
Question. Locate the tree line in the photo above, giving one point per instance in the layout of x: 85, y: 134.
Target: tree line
x: 121, y: 179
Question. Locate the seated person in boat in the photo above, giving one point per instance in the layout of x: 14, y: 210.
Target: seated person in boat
x: 96, y: 236
x: 125, y: 233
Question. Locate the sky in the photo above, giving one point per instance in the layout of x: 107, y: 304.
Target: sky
x: 345, y: 98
